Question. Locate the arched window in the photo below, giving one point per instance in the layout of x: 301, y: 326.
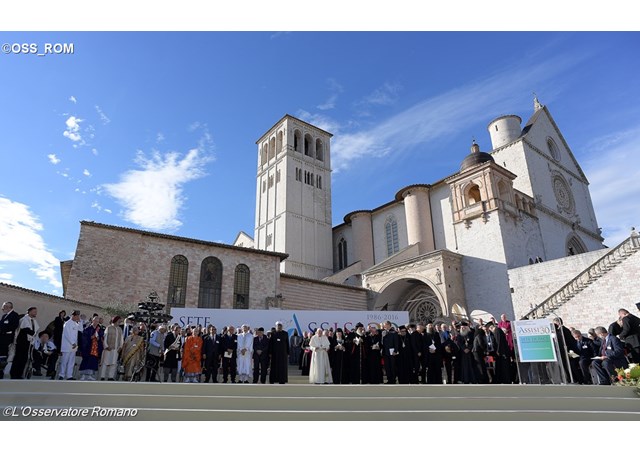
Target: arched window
x: 177, y: 293
x: 575, y: 246
x: 553, y: 149
x: 391, y: 229
x: 279, y: 143
x: 241, y: 287
x: 272, y: 148
x: 473, y: 194
x: 503, y: 191
x: 308, y: 145
x: 263, y: 155
x: 342, y: 254
x: 210, y: 283
x: 319, y: 150
x: 297, y: 140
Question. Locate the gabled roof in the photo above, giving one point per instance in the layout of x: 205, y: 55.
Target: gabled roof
x: 241, y: 233
x: 282, y: 256
x: 532, y: 121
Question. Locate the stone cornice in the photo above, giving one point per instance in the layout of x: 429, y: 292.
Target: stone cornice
x: 555, y: 215
x: 555, y: 162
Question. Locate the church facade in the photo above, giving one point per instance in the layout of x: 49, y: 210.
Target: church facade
x: 439, y: 250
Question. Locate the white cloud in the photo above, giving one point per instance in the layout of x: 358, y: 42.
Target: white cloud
x: 159, y: 137
x: 73, y: 129
x: 152, y: 197
x: 335, y: 89
x: 386, y: 94
x: 108, y: 211
x: 86, y: 173
x: 94, y: 151
x: 613, y: 175
x: 53, y: 159
x: 21, y: 242
x: 104, y: 118
x: 437, y: 117
x: 73, y: 99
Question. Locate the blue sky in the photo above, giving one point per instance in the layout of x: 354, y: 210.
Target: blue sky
x: 157, y: 130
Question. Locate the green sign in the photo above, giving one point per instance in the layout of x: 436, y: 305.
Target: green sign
x: 535, y: 341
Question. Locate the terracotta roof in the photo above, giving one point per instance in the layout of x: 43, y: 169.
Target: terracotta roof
x: 322, y: 282
x: 282, y: 256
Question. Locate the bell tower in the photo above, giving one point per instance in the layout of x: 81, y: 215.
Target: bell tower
x: 293, y: 197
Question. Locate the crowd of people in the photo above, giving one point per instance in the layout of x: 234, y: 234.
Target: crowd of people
x: 441, y: 353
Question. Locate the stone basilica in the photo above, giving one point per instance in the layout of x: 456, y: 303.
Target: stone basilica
x: 438, y: 250
x: 513, y: 231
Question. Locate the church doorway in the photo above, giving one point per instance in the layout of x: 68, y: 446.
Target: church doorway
x: 414, y: 296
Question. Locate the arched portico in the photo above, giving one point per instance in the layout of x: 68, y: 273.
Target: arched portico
x: 418, y: 296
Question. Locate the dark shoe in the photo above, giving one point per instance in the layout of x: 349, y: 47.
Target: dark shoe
x: 71, y: 379
x: 110, y: 379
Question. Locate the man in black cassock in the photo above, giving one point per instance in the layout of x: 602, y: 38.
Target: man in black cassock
x: 433, y: 353
x: 373, y: 350
x: 404, y: 359
x: 355, y: 348
x: 502, y: 355
x: 279, y: 352
x: 417, y: 346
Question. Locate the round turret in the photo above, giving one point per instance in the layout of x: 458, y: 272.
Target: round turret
x: 504, y: 130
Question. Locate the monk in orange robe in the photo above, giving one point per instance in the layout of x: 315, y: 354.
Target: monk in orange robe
x: 192, y: 357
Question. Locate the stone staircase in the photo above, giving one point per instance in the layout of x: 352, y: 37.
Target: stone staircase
x: 585, y: 278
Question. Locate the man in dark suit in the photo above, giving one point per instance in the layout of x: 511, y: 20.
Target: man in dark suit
x: 390, y: 345
x: 630, y: 333
x: 260, y: 356
x: 586, y: 351
x: 8, y: 325
x: 610, y: 357
x: 211, y: 354
x: 229, y: 354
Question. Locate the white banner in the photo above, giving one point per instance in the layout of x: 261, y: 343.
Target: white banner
x: 302, y: 320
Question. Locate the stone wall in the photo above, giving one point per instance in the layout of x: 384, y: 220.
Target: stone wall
x: 114, y: 264
x: 598, y: 304
x: 533, y: 283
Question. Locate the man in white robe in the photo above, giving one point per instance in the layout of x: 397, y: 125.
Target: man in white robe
x: 245, y: 354
x: 320, y: 369
x: 69, y: 346
x: 113, y: 340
